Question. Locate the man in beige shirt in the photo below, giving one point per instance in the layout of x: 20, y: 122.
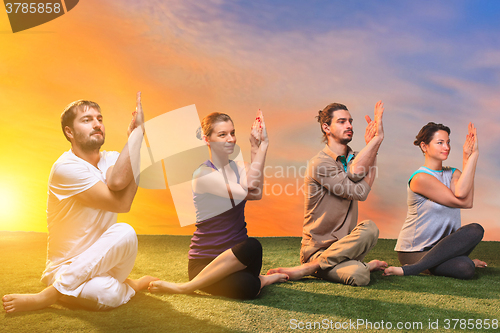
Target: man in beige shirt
x: 333, y: 243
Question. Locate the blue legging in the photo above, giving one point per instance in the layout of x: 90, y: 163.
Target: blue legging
x: 449, y: 257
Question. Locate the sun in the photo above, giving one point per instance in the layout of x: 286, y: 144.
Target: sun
x: 8, y: 207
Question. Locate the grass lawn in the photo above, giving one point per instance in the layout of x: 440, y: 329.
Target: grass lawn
x: 408, y: 300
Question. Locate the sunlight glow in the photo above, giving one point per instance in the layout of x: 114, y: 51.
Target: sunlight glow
x: 8, y: 206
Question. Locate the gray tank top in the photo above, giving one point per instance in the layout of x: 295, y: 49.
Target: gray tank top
x: 427, y: 222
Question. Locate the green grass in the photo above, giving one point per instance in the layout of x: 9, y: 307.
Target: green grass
x: 391, y: 299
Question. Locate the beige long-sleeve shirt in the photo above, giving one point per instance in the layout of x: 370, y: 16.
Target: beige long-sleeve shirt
x: 331, y: 200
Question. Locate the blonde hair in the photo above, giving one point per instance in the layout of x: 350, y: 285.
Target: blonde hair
x: 207, y: 124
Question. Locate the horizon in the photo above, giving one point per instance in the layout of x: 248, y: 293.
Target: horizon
x: 426, y: 61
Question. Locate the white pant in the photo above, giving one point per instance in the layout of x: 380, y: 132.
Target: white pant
x: 95, y: 278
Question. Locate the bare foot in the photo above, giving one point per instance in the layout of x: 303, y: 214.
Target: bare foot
x: 297, y: 272
x: 30, y: 302
x: 141, y: 283
x: 266, y: 280
x: 377, y: 265
x: 393, y: 271
x: 479, y: 264
x: 166, y: 287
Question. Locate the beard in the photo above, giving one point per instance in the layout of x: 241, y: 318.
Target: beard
x: 345, y: 141
x: 91, y: 142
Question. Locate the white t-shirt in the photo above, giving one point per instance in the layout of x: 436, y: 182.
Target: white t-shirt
x: 74, y: 227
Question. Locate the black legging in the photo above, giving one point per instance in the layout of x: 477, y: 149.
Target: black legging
x: 449, y: 257
x: 244, y: 284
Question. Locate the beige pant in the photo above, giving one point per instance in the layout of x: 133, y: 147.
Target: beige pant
x: 341, y: 262
x: 95, y: 278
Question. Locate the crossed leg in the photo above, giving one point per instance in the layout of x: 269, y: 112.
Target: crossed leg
x: 341, y: 262
x: 97, y: 278
x: 235, y: 273
x: 449, y: 257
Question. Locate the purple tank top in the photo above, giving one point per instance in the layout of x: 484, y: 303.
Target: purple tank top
x: 216, y: 234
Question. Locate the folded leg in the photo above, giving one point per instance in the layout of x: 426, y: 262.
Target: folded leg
x: 354, y: 246
x: 350, y: 272
x: 461, y: 267
x: 457, y: 244
x: 112, y: 254
x: 102, y: 293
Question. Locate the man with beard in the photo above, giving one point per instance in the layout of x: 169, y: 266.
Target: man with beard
x: 89, y: 254
x: 333, y: 243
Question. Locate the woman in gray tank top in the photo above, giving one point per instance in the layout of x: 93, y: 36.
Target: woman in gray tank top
x: 431, y: 239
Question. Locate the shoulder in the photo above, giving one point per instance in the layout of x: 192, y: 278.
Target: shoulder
x: 322, y: 158
x: 324, y: 166
x: 420, y: 171
x: 451, y: 170
x: 241, y: 165
x: 71, y: 175
x: 422, y: 180
x: 69, y: 163
x: 110, y: 156
x: 202, y: 170
x: 107, y: 159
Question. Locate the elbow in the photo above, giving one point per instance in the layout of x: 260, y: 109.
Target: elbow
x: 255, y: 194
x: 356, y: 177
x: 361, y: 193
x: 116, y: 186
x: 463, y: 204
x: 124, y: 208
x: 362, y: 198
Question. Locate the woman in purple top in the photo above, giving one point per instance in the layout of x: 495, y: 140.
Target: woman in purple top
x: 223, y: 260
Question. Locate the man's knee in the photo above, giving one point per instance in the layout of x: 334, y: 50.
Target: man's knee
x: 370, y: 231
x: 105, y: 293
x: 125, y: 233
x: 352, y: 272
x: 360, y: 276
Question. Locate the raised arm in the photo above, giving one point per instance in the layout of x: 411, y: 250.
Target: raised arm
x: 428, y: 186
x: 259, y: 142
x: 463, y: 183
x: 374, y: 135
x: 120, y: 188
x: 101, y: 197
x: 338, y: 183
x: 206, y: 180
x: 121, y: 174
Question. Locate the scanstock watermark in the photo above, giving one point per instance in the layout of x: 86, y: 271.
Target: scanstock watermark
x: 25, y: 14
x: 168, y: 153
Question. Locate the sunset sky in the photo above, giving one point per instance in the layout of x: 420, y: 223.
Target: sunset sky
x: 426, y: 60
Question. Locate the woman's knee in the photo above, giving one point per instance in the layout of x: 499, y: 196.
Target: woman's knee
x: 467, y: 269
x: 240, y: 285
x: 459, y: 268
x: 249, y: 287
x: 254, y: 246
x: 476, y: 230
x: 248, y: 251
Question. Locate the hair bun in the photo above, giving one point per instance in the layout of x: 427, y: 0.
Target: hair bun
x: 198, y: 133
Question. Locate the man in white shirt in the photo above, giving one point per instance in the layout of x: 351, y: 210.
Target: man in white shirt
x: 89, y: 254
